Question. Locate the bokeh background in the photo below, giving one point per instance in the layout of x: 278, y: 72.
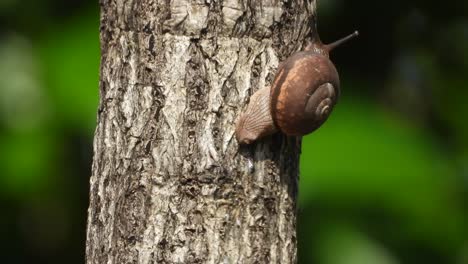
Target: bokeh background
x: 385, y: 180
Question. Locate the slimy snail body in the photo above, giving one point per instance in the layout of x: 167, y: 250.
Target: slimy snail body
x: 305, y: 89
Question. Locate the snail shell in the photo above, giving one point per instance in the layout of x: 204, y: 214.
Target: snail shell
x: 302, y: 96
x: 300, y: 103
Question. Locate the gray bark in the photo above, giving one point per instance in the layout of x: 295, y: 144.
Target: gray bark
x: 169, y: 182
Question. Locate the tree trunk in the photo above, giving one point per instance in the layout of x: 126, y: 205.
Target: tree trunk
x: 169, y: 182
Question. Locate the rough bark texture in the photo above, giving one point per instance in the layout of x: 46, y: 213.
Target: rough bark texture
x: 169, y: 182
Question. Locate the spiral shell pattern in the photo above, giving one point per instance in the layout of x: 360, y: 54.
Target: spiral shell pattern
x: 320, y: 103
x: 303, y: 93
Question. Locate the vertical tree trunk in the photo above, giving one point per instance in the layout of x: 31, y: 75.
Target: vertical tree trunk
x: 169, y: 182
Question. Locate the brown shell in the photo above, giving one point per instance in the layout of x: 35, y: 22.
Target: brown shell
x: 303, y: 93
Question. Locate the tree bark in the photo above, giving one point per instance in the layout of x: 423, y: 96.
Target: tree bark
x: 169, y: 182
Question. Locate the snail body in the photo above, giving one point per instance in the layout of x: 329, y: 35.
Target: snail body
x: 304, y: 91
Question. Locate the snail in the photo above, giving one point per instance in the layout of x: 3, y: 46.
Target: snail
x: 304, y: 91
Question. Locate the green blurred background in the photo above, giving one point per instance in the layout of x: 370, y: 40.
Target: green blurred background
x: 385, y: 180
